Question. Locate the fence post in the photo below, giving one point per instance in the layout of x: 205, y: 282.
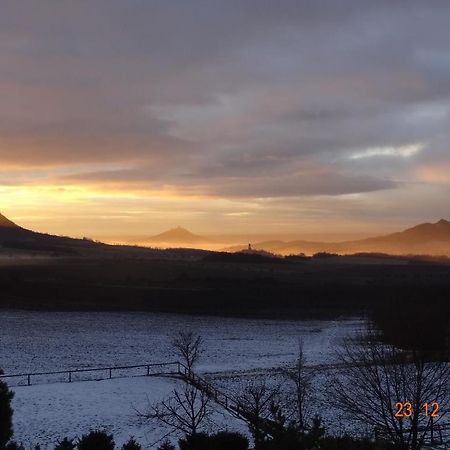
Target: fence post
x: 70, y: 376
x: 148, y: 370
x: 29, y: 380
x: 110, y: 373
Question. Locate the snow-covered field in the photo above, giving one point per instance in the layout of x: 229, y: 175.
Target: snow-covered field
x: 31, y: 342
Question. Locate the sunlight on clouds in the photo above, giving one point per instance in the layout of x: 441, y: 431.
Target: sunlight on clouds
x: 404, y: 151
x: 15, y: 196
x: 65, y: 194
x: 238, y: 214
x: 45, y: 203
x: 435, y: 174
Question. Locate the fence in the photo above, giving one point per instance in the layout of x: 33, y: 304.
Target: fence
x: 93, y: 374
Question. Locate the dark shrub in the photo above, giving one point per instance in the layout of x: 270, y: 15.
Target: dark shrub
x: 6, y: 413
x: 96, y: 440
x: 166, y: 445
x: 131, y: 445
x: 198, y: 441
x: 229, y: 441
x: 65, y: 444
x: 219, y: 441
x: 348, y: 443
x: 14, y: 446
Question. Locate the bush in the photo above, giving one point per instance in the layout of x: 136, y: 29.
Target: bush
x: 229, y: 441
x: 6, y: 413
x: 131, y: 445
x: 166, y: 445
x: 96, y: 440
x: 198, y: 441
x: 219, y: 441
x: 65, y: 444
x: 348, y: 443
x: 14, y: 446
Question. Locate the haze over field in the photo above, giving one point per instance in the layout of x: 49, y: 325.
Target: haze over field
x: 427, y: 238
x: 288, y: 119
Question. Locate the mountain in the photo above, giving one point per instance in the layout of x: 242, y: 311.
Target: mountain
x: 426, y: 238
x: 18, y: 241
x: 177, y: 235
x: 10, y: 231
x: 6, y: 223
x: 14, y: 237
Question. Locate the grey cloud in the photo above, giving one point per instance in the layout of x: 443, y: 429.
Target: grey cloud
x: 310, y: 181
x: 304, y: 83
x: 331, y: 184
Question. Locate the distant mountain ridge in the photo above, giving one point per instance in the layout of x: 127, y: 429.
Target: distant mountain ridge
x: 423, y: 239
x: 177, y: 235
x: 426, y: 238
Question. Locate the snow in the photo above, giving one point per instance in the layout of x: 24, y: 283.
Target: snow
x: 32, y: 341
x: 47, y: 413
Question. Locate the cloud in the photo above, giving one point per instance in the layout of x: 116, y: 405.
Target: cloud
x: 226, y: 99
x: 331, y: 184
x: 404, y: 151
x: 227, y: 182
x: 435, y: 173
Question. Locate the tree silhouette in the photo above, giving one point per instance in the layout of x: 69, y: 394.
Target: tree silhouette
x: 6, y: 413
x: 376, y: 378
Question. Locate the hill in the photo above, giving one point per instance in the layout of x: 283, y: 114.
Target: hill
x: 6, y: 223
x: 16, y: 238
x: 9, y: 231
x: 18, y: 241
x: 177, y: 235
x: 426, y: 238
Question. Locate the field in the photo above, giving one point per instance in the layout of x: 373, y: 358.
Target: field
x: 235, y: 349
x: 60, y: 313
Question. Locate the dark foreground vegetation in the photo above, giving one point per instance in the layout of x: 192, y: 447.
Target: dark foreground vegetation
x: 100, y: 440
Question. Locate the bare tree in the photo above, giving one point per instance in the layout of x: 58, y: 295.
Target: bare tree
x: 189, y: 347
x: 186, y: 411
x: 389, y: 389
x: 301, y: 378
x: 259, y: 404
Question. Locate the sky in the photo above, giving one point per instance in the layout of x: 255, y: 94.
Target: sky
x: 125, y: 118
